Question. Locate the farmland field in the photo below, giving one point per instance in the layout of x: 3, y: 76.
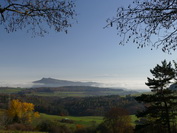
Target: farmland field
x: 83, y: 120
x: 7, y: 90
x: 67, y: 91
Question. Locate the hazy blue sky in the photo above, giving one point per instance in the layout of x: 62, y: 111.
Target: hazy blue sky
x: 87, y: 53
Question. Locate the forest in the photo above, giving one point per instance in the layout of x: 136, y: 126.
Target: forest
x: 75, y: 106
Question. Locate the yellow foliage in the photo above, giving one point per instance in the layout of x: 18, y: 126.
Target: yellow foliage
x: 22, y: 111
x: 36, y: 114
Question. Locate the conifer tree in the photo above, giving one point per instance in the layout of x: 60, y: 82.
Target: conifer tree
x: 159, y: 113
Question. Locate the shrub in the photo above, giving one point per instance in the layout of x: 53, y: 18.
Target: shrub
x: 19, y: 126
x: 53, y: 127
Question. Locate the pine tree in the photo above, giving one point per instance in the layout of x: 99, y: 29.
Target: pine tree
x: 159, y: 113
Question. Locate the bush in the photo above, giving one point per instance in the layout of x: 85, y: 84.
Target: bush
x: 53, y: 127
x: 20, y: 127
x: 116, y: 120
x: 86, y: 130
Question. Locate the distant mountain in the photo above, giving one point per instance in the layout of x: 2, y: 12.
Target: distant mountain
x: 50, y: 82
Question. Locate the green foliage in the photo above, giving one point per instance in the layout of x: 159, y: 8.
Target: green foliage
x: 53, y: 127
x: 116, y: 120
x: 82, y: 120
x: 10, y: 90
x: 160, y: 110
x: 76, y: 106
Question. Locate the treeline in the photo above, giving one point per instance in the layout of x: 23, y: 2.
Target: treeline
x: 68, y: 88
x: 90, y: 90
x: 75, y: 106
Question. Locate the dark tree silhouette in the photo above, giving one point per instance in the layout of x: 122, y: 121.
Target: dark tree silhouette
x: 37, y: 16
x: 148, y: 22
x: 161, y: 105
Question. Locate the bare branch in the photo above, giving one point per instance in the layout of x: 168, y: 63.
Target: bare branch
x: 144, y: 20
x: 36, y: 15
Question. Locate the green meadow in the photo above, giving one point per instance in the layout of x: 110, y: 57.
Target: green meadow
x: 65, y: 93
x: 10, y: 90
x: 81, y: 120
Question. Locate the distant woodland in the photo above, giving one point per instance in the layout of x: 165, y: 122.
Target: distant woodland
x: 75, y: 106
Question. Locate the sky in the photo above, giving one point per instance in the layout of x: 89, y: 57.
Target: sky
x: 87, y: 53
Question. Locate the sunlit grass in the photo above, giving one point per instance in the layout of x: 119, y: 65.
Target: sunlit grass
x: 82, y: 120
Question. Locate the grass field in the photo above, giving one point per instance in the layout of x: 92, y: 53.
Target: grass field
x: 81, y: 93
x: 10, y: 90
x: 82, y: 120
